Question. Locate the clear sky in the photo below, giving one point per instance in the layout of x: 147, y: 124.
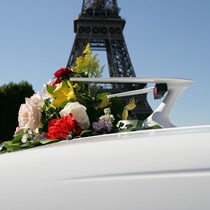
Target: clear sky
x: 165, y: 38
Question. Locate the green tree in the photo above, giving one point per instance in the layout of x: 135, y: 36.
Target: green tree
x: 12, y: 95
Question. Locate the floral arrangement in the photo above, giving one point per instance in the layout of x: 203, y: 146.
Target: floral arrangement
x: 66, y: 110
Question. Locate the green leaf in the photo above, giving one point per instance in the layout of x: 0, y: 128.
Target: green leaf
x: 46, y: 104
x: 116, y: 107
x: 8, y: 146
x: 154, y: 127
x: 63, y: 104
x: 101, y: 96
x: 18, y: 136
x: 11, y: 147
x: 66, y: 102
x: 47, y: 141
x: 3, y: 151
x: 86, y: 133
x: 50, y: 89
x: 65, y: 84
x: 25, y: 145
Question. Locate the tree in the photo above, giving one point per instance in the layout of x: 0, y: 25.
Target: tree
x: 12, y: 95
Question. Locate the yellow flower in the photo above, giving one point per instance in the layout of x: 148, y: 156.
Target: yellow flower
x: 131, y: 105
x: 87, y: 49
x: 62, y: 93
x: 88, y: 64
x: 104, y: 103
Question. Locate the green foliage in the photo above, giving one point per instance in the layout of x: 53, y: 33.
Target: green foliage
x: 14, y: 145
x: 12, y: 95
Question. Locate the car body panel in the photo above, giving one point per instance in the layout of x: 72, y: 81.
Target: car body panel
x: 148, y: 169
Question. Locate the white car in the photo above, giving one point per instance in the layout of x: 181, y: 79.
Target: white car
x: 154, y: 169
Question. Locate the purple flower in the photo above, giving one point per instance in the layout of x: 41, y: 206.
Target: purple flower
x: 98, y: 126
x: 38, y: 137
x: 105, y: 123
x: 108, y: 126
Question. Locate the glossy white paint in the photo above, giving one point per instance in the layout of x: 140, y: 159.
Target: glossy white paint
x: 150, y: 170
x: 164, y: 169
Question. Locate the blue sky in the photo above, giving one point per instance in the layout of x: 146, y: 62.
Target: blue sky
x: 165, y: 38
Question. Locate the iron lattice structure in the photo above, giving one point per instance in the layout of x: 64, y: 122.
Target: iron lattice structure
x: 101, y: 25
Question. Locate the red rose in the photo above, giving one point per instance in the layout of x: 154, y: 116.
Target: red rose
x: 63, y: 128
x: 58, y: 80
x: 61, y: 72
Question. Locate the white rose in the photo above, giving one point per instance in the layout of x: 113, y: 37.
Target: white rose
x: 79, y: 113
x: 44, y: 93
x: 29, y: 115
x: 37, y: 100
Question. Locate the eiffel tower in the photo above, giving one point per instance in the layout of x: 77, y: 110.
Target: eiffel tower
x: 101, y: 25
